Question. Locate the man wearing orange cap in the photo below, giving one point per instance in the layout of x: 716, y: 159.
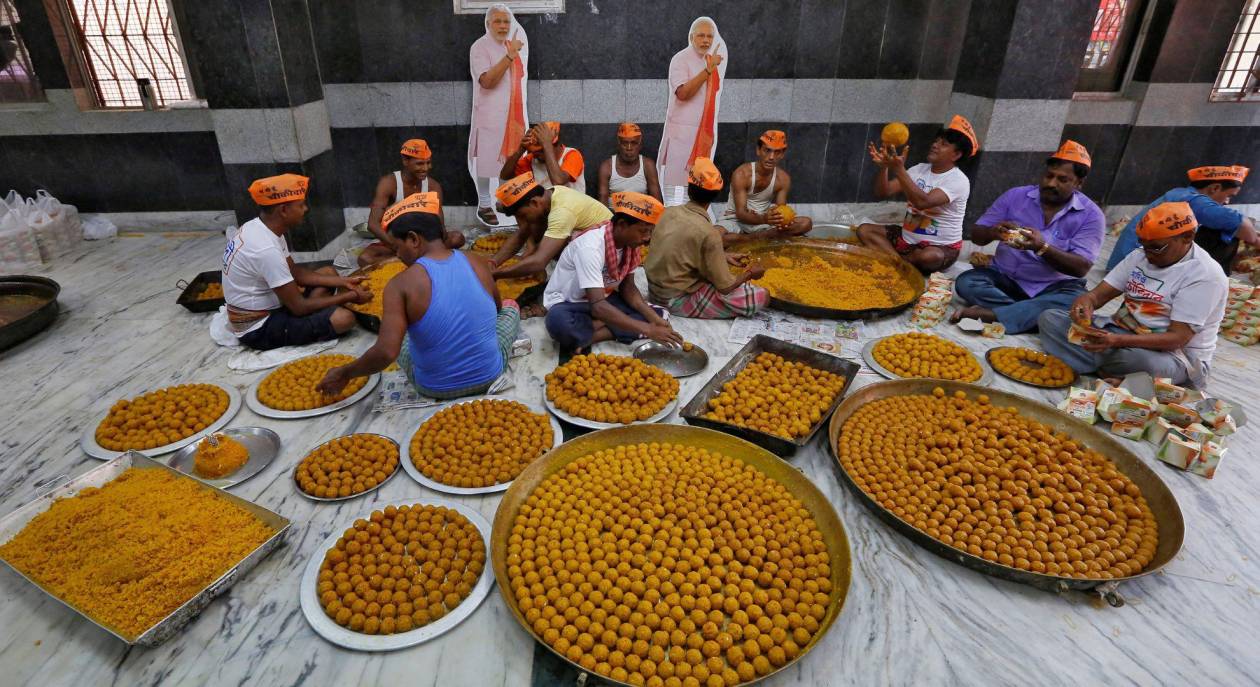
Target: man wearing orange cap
x: 688, y: 271
x: 629, y: 169
x: 1174, y: 300
x: 1221, y: 229
x: 591, y: 296
x: 759, y: 190
x: 936, y: 191
x: 266, y: 305
x: 417, y: 161
x: 551, y: 162
x: 441, y: 318
x: 1049, y: 236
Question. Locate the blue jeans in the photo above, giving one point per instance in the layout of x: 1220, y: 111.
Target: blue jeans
x: 989, y: 288
x: 572, y: 327
x: 1116, y: 362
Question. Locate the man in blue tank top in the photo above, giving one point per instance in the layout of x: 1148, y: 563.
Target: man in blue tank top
x: 442, y: 317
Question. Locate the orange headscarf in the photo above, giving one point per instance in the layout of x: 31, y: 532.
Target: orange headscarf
x: 960, y: 124
x: 1166, y: 220
x: 416, y: 202
x: 514, y: 189
x: 629, y: 130
x: 284, y: 188
x: 417, y: 148
x: 774, y: 139
x: 1236, y: 173
x: 705, y: 175
x: 637, y: 205
x: 1071, y: 151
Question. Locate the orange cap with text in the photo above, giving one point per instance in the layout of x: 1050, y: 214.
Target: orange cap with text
x: 1236, y: 173
x: 637, y: 205
x: 960, y: 124
x: 284, y: 188
x: 705, y: 175
x: 417, y: 148
x: 1071, y: 151
x: 629, y: 130
x: 416, y: 202
x: 1166, y: 220
x: 514, y: 189
x: 774, y: 139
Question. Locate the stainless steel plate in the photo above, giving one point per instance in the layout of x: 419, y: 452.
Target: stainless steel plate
x: 672, y: 359
x: 591, y: 424
x: 328, y: 629
x: 90, y: 447
x: 293, y: 475
x: 868, y: 357
x: 263, y: 446
x: 557, y: 434
x: 251, y: 400
x: 989, y: 359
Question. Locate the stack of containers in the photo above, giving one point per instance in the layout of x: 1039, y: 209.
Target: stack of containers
x: 930, y: 309
x: 1242, y: 314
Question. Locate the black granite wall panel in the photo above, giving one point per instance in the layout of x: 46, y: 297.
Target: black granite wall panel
x: 1046, y: 44
x: 997, y: 171
x: 1148, y: 52
x: 1105, y: 143
x: 1156, y: 158
x: 325, y: 220
x: 984, y: 47
x: 297, y: 51
x: 1195, y: 42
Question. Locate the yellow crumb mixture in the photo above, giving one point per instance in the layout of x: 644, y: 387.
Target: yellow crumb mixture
x: 215, y: 461
x: 130, y: 553
x: 838, y: 284
x: 376, y: 280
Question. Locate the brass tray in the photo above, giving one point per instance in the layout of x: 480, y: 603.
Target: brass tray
x: 988, y: 358
x: 1172, y: 526
x: 795, y: 481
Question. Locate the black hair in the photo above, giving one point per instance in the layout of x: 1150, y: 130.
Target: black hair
x: 1225, y: 183
x: 512, y: 209
x: 1081, y: 171
x: 423, y: 224
x: 958, y: 140
x: 701, y: 195
x: 623, y: 218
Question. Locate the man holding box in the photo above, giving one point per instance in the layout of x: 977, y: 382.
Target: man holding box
x: 1174, y: 300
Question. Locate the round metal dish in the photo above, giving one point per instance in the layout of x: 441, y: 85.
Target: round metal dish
x: 293, y: 475
x: 988, y: 358
x: 251, y: 400
x: 90, y: 447
x: 795, y: 481
x: 868, y: 356
x: 592, y: 424
x: 328, y: 629
x: 362, y: 230
x: 263, y: 446
x: 672, y: 359
x: 1162, y: 502
x: 35, y: 321
x: 557, y: 434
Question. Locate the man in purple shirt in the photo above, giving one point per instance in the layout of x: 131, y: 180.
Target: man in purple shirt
x: 1050, y: 236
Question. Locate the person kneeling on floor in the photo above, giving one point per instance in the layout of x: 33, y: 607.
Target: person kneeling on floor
x: 591, y: 295
x: 442, y: 318
x: 1174, y: 300
x: 263, y: 288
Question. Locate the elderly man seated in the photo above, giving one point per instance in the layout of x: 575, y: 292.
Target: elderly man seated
x: 629, y: 169
x: 1050, y: 237
x: 1174, y: 301
x: 758, y: 189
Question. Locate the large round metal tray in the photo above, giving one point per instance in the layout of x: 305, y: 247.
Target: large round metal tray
x: 1163, y: 503
x: 795, y: 481
x: 90, y: 447
x: 251, y: 400
x: 592, y: 424
x: 35, y: 321
x: 988, y: 358
x: 557, y: 438
x: 868, y: 357
x: 293, y: 474
x: 328, y: 628
x: 263, y: 446
x: 672, y: 359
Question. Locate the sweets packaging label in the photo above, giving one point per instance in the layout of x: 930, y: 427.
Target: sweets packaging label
x: 1178, y: 414
x: 1167, y: 392
x: 1077, y: 334
x: 1196, y: 432
x: 1109, y: 400
x: 1178, y: 451
x: 993, y: 330
x: 1129, y: 429
x: 1158, y: 430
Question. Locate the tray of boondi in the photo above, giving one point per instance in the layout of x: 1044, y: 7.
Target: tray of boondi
x: 137, y: 548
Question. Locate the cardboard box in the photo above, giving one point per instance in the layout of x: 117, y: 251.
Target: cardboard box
x: 1178, y: 414
x: 1158, y: 430
x: 1207, y: 460
x: 1109, y: 400
x: 1178, y: 451
x: 1196, y: 432
x: 993, y: 330
x: 1130, y: 415
x: 1081, y: 404
x: 1167, y: 392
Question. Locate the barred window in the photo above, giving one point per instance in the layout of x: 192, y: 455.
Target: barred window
x: 1239, y: 77
x: 128, y: 49
x: 1110, y: 45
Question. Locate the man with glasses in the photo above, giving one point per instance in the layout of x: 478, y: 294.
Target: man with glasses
x: 1174, y: 300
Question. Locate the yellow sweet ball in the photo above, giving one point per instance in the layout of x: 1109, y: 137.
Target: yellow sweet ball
x: 895, y: 134
x: 776, y: 396
x: 161, y: 417
x: 915, y: 354
x: 292, y: 385
x: 1033, y: 367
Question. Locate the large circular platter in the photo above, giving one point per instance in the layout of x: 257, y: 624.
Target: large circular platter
x: 868, y: 356
x: 251, y: 400
x: 293, y: 473
x: 988, y: 358
x: 90, y: 447
x: 557, y: 438
x: 592, y: 424
x: 262, y: 444
x: 793, y: 480
x: 1162, y: 502
x: 328, y: 628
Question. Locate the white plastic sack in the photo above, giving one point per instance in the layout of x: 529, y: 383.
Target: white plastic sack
x: 220, y: 331
x: 19, y: 251
x: 96, y: 227
x: 47, y: 230
x: 13, y: 200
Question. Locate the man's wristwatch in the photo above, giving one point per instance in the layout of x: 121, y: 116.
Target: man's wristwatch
x: 1044, y: 247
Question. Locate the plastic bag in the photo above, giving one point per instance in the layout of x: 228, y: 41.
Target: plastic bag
x: 47, y: 230
x: 19, y: 252
x: 12, y: 200
x: 96, y: 227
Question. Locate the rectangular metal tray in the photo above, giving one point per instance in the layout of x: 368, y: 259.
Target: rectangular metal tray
x: 695, y: 409
x: 14, y: 522
x: 188, y: 297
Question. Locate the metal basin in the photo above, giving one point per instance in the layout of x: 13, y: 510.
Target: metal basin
x: 26, y: 322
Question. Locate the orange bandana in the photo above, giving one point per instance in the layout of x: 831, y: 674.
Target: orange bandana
x: 284, y: 188
x: 960, y: 124
x: 1166, y: 220
x: 417, y: 148
x: 774, y: 139
x: 1236, y: 173
x: 555, y: 136
x: 514, y: 189
x: 705, y: 175
x: 637, y: 205
x: 416, y: 202
x: 1071, y: 151
x: 629, y: 130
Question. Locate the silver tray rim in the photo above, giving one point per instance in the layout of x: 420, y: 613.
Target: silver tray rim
x: 868, y: 357
x: 638, y: 349
x: 251, y: 400
x: 324, y: 499
x: 592, y: 424
x: 1075, y: 375
x: 88, y: 440
x: 239, y: 476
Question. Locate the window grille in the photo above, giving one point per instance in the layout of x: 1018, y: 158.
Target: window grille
x: 1239, y: 77
x: 125, y: 42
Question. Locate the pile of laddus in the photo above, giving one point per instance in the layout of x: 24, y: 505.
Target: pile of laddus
x: 776, y: 396
x: 610, y: 388
x: 292, y: 386
x: 347, y: 466
x: 914, y: 354
x: 1033, y: 367
x: 480, y: 443
x: 161, y: 417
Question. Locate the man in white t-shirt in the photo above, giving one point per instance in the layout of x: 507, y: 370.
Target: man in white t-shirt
x: 265, y: 306
x: 1174, y: 300
x: 591, y: 296
x: 936, y: 191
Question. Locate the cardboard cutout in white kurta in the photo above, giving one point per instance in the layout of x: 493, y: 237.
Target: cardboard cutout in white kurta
x: 691, y: 125
x: 500, y: 113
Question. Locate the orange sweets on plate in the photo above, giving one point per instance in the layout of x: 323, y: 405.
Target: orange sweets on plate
x: 347, y: 466
x: 915, y: 354
x: 215, y: 460
x: 996, y: 484
x: 1033, y: 367
x: 292, y: 385
x: 610, y: 388
x: 161, y: 417
x: 480, y: 443
x: 401, y: 569
x: 647, y: 561
x: 776, y: 396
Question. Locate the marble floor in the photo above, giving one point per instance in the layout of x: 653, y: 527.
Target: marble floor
x: 910, y: 617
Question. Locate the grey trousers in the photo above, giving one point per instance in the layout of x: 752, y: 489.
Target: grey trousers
x: 1117, y: 362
